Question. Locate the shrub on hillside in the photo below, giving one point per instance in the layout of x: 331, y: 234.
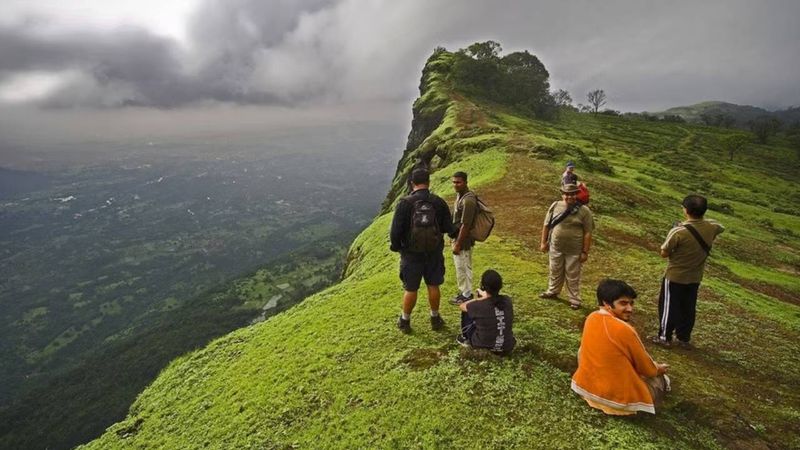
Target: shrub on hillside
x: 646, y: 183
x: 724, y: 208
x: 592, y: 164
x: 786, y: 210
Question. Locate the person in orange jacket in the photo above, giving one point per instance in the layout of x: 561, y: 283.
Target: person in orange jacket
x: 615, y: 373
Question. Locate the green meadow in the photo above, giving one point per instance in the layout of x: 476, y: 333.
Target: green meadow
x: 334, y: 372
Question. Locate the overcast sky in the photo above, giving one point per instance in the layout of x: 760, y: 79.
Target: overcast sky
x: 80, y: 57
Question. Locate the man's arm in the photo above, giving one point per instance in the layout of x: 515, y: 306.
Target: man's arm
x: 399, y: 226
x: 543, y: 242
x: 482, y: 295
x: 467, y: 218
x: 587, y: 245
x: 642, y: 361
x: 669, y: 243
x: 446, y: 225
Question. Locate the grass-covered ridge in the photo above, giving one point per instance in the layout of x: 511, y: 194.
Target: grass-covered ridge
x: 334, y: 372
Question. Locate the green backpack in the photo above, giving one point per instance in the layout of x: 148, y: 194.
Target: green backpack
x: 484, y: 221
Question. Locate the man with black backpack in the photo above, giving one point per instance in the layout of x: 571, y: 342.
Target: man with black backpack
x: 687, y: 247
x: 567, y: 236
x: 419, y: 221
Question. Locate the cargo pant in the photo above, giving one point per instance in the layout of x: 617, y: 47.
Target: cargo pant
x: 563, y: 268
x: 463, y: 263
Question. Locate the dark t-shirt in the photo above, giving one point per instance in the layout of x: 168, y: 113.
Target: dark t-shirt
x: 493, y: 326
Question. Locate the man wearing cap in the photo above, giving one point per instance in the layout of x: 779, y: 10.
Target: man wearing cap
x: 567, y: 236
x: 687, y: 246
x: 569, y: 176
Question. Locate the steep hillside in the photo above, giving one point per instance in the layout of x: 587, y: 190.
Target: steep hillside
x: 334, y: 372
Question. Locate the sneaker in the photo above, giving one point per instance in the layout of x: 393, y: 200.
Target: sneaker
x: 437, y: 323
x: 459, y: 299
x: 658, y: 340
x: 462, y: 341
x: 686, y: 345
x: 574, y: 306
x: 404, y: 325
x: 548, y: 295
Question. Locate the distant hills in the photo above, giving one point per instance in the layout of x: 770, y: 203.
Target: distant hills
x: 739, y: 114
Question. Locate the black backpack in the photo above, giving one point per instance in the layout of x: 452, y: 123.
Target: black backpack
x: 424, y: 235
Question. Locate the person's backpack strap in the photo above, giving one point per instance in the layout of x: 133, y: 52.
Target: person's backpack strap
x: 699, y: 238
x: 550, y: 212
x: 560, y: 218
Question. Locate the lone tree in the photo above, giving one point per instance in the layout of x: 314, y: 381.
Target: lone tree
x: 734, y: 143
x: 596, y: 98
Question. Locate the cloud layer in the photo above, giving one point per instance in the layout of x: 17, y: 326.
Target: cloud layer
x: 290, y: 52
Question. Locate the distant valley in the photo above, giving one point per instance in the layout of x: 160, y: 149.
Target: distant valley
x: 102, y: 257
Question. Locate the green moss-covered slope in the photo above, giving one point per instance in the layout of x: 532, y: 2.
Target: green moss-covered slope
x: 334, y: 372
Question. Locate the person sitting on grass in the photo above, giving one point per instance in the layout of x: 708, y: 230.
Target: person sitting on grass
x: 487, y: 321
x: 615, y: 373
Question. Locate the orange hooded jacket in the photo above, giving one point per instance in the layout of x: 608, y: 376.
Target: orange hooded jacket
x: 611, y: 364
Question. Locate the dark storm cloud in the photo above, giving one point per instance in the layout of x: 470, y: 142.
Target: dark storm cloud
x: 129, y: 66
x: 646, y: 55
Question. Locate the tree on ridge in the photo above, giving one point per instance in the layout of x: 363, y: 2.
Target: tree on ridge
x: 596, y: 98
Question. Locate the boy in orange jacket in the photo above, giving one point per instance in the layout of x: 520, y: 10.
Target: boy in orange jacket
x: 615, y: 373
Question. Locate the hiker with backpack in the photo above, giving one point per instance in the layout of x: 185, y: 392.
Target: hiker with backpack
x: 464, y: 211
x: 567, y: 237
x: 615, y: 373
x: 569, y: 176
x: 420, y: 219
x: 487, y: 321
x: 687, y: 246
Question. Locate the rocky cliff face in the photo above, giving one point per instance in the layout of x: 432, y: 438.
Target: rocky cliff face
x: 428, y: 114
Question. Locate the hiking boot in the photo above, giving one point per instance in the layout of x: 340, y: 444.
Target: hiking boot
x: 462, y: 341
x: 658, y: 340
x: 437, y: 323
x: 404, y: 325
x: 459, y: 299
x: 548, y: 295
